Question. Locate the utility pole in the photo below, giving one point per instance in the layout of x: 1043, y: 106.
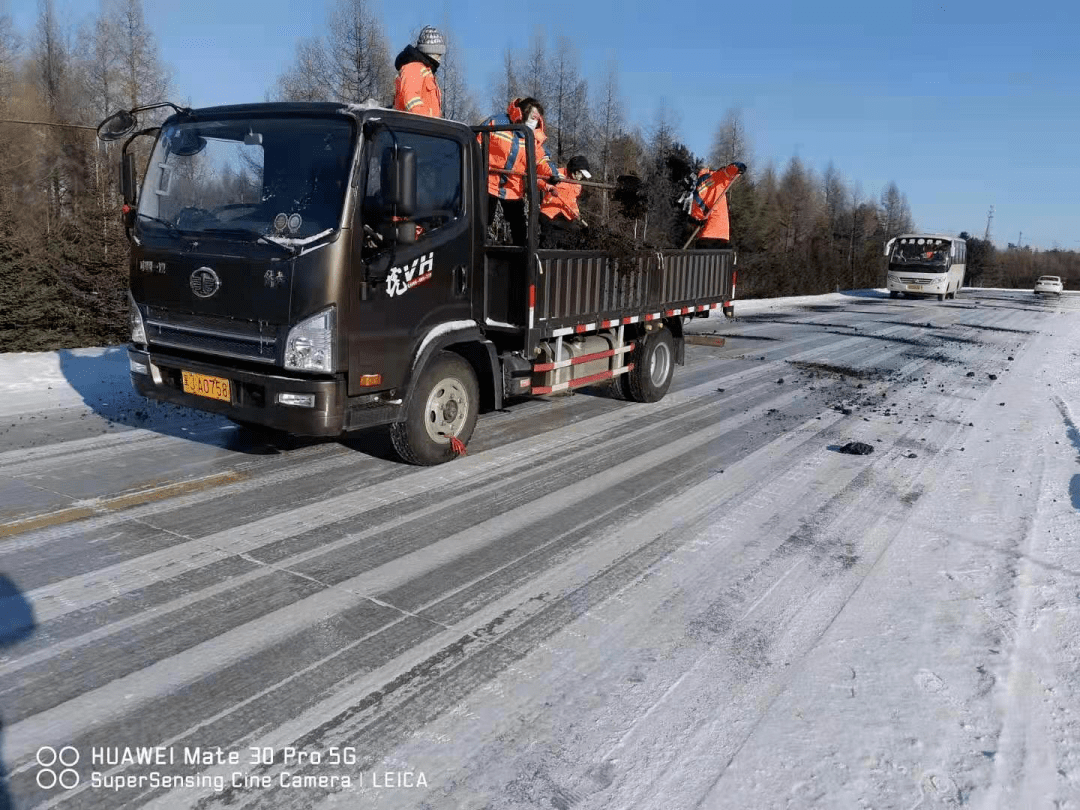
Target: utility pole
x: 1020, y: 239
x: 989, y: 219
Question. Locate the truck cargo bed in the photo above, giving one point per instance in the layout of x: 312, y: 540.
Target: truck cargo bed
x: 572, y: 290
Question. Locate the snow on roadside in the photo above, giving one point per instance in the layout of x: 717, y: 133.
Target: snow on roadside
x: 33, y: 381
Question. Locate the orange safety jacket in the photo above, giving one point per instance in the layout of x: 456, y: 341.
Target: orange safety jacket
x: 415, y: 88
x: 710, y: 201
x: 561, y: 200
x: 506, y: 150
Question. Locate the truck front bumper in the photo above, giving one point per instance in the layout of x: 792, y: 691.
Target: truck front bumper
x: 253, y: 395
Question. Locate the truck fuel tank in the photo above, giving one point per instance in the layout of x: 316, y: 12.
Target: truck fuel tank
x: 573, y: 349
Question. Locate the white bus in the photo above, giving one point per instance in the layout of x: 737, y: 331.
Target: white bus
x: 926, y: 264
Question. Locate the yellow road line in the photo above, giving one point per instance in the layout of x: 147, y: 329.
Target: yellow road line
x: 118, y: 502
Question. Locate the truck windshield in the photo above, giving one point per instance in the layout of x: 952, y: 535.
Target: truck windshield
x: 240, y: 178
x: 921, y: 250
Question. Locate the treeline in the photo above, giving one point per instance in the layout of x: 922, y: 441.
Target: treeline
x: 1018, y: 267
x: 63, y: 259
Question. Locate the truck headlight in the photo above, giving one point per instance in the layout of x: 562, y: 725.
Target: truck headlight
x: 138, y: 329
x: 310, y: 344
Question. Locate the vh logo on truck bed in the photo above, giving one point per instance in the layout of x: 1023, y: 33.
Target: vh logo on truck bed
x: 402, y: 279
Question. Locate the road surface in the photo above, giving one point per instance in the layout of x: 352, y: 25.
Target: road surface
x: 699, y: 603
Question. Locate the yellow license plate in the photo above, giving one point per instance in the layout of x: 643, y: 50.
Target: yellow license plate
x: 202, y: 385
x: 914, y: 286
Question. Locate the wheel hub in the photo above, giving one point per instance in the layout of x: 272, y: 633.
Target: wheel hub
x: 446, y: 410
x: 658, y: 365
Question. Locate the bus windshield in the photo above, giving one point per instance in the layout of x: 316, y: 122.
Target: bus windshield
x: 921, y: 250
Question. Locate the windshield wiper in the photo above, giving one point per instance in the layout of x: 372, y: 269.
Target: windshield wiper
x: 172, y: 228
x: 254, y: 236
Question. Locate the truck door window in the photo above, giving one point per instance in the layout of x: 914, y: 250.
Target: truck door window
x: 439, y: 198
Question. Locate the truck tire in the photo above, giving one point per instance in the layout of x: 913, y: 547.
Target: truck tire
x: 444, y: 404
x: 654, y: 363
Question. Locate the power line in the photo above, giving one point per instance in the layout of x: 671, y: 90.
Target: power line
x: 45, y: 124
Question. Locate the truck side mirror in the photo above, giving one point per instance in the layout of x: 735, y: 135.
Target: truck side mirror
x: 127, y: 178
x: 399, y: 181
x: 116, y: 126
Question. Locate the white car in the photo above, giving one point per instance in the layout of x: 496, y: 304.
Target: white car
x: 1048, y: 284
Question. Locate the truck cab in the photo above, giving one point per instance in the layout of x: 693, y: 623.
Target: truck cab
x: 263, y: 236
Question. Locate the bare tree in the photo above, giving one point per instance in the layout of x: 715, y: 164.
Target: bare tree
x: 535, y: 74
x: 310, y: 77
x: 833, y: 196
x: 99, y: 72
x: 507, y: 86
x: 862, y: 220
x: 567, y: 107
x: 51, y: 58
x: 895, y: 212
x: 352, y: 63
x: 833, y: 193
x: 100, y: 65
x: 9, y: 50
x: 143, y: 79
x: 797, y: 204
x: 731, y: 143
x: 608, y: 120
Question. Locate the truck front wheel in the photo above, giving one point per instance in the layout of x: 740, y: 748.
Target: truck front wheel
x: 654, y: 363
x: 443, y: 406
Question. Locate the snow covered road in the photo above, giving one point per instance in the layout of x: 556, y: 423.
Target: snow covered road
x: 697, y: 603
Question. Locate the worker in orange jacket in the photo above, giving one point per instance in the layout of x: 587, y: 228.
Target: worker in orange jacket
x: 415, y: 89
x: 561, y: 222
x: 506, y: 152
x: 708, y: 205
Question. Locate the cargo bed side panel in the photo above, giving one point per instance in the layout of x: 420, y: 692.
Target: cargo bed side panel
x: 582, y: 288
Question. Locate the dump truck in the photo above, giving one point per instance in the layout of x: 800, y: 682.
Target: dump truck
x: 319, y: 268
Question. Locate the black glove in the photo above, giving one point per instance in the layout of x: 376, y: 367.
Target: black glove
x: 553, y: 180
x: 741, y: 167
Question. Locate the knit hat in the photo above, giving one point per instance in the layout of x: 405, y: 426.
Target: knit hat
x: 431, y: 41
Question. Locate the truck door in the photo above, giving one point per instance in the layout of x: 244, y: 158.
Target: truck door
x: 428, y: 281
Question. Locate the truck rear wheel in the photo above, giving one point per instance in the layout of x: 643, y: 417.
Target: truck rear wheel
x: 654, y: 363
x: 444, y: 406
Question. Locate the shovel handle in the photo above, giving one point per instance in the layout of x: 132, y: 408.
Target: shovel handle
x: 564, y: 180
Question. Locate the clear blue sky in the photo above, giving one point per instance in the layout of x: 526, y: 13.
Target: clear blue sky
x: 964, y: 104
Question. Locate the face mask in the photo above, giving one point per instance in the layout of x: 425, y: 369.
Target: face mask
x: 531, y: 123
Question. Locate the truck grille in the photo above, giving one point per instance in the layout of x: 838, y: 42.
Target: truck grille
x: 249, y: 340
